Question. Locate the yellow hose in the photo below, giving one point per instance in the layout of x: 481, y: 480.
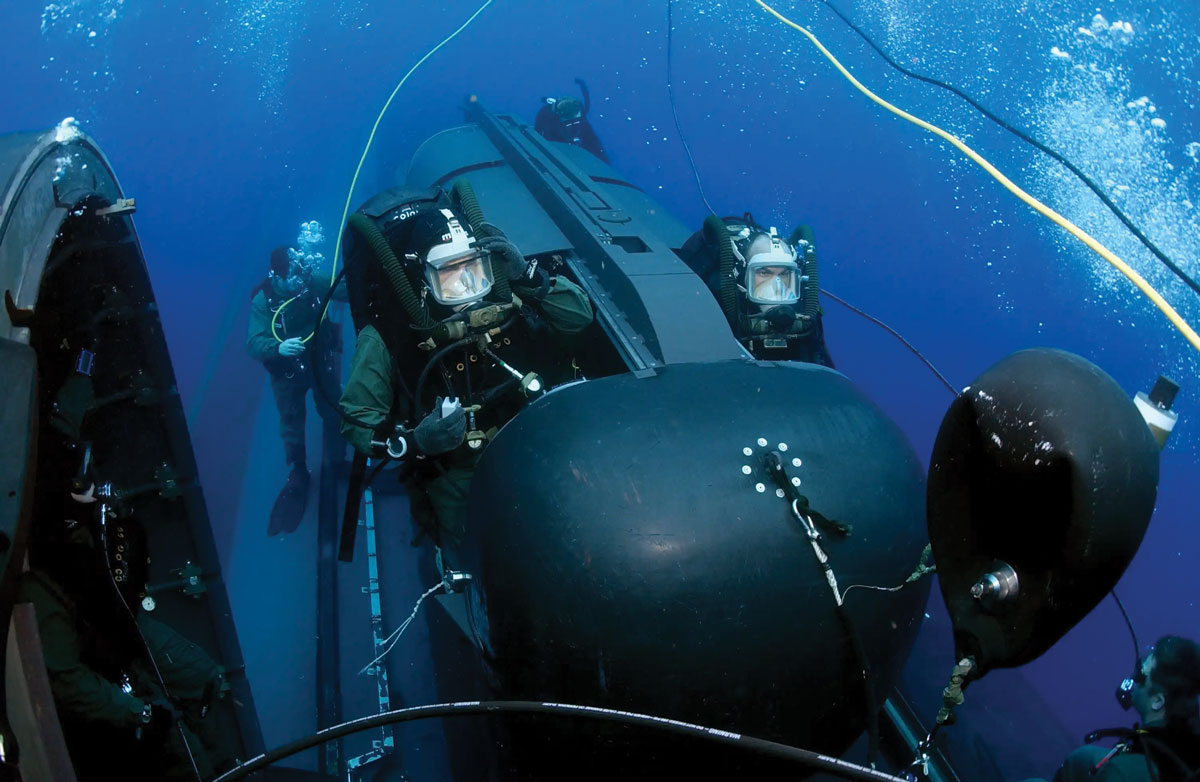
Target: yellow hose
x: 337, y: 247
x: 1189, y: 334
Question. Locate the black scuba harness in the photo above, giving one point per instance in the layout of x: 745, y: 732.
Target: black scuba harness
x: 1153, y: 747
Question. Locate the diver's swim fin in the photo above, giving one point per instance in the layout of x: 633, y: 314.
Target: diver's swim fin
x: 289, y: 507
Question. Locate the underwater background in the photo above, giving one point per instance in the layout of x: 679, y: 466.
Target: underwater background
x: 233, y: 122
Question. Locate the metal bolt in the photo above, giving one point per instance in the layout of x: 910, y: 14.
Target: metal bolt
x: 762, y: 441
x: 796, y: 461
x: 746, y: 469
x: 758, y: 487
x: 747, y: 451
x: 795, y: 481
x: 783, y: 446
x: 779, y: 493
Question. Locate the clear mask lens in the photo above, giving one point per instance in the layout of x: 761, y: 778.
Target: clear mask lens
x: 772, y: 284
x: 461, y: 280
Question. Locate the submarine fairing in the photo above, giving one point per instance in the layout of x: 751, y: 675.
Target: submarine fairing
x: 678, y: 531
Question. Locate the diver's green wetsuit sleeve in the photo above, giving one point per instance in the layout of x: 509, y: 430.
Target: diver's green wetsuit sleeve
x: 566, y: 306
x: 260, y: 343
x: 368, y: 395
x: 78, y: 690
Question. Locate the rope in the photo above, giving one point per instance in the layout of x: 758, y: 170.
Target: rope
x: 1174, y: 317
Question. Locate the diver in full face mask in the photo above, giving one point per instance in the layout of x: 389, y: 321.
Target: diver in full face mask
x: 283, y: 335
x: 767, y: 287
x: 439, y: 337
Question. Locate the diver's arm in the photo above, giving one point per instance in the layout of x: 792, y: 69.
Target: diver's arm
x: 260, y: 343
x: 566, y: 306
x: 368, y: 395
x: 78, y: 690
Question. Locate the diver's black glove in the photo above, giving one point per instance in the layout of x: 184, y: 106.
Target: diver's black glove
x: 521, y: 271
x: 528, y: 278
x: 438, y: 433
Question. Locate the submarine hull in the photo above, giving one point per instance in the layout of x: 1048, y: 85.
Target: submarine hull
x: 643, y: 560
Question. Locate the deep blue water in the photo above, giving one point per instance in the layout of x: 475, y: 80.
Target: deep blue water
x: 231, y: 122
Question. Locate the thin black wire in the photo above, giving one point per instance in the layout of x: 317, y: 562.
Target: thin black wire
x: 141, y: 636
x: 1141, y: 237
x: 675, y: 113
x: 315, y: 357
x: 1137, y: 650
x: 895, y: 334
x: 804, y: 757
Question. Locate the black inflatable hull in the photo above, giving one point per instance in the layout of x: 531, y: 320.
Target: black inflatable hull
x: 1044, y: 464
x: 641, y: 567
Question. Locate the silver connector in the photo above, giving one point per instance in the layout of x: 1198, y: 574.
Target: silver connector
x: 997, y: 587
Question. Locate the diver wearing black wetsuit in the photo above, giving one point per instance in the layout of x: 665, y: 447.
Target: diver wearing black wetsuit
x: 565, y: 119
x: 767, y: 287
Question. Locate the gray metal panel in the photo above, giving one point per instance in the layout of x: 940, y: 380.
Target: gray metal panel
x: 18, y: 367
x: 631, y: 198
x: 504, y: 200
x: 452, y: 149
x: 14, y: 149
x: 655, y: 307
x: 49, y: 176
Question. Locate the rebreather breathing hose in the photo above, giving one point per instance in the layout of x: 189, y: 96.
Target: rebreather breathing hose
x: 1108, y: 255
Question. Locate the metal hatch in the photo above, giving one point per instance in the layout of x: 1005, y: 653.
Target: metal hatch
x: 69, y: 252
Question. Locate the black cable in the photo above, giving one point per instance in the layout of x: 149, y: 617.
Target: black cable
x: 1141, y: 237
x: 317, y: 381
x: 868, y: 683
x: 1137, y: 650
x: 895, y: 334
x: 774, y: 749
x: 375, y: 473
x: 678, y: 128
x: 434, y: 359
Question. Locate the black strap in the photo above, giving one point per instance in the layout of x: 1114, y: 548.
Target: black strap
x: 358, y: 469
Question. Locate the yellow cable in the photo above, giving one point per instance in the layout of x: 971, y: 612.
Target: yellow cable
x: 337, y: 247
x: 1189, y: 334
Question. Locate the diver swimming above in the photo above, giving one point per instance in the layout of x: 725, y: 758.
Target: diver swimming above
x: 767, y: 287
x: 565, y: 119
x: 283, y: 334
x: 445, y: 308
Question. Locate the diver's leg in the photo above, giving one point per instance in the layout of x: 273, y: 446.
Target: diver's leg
x: 289, y: 400
x: 289, y: 507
